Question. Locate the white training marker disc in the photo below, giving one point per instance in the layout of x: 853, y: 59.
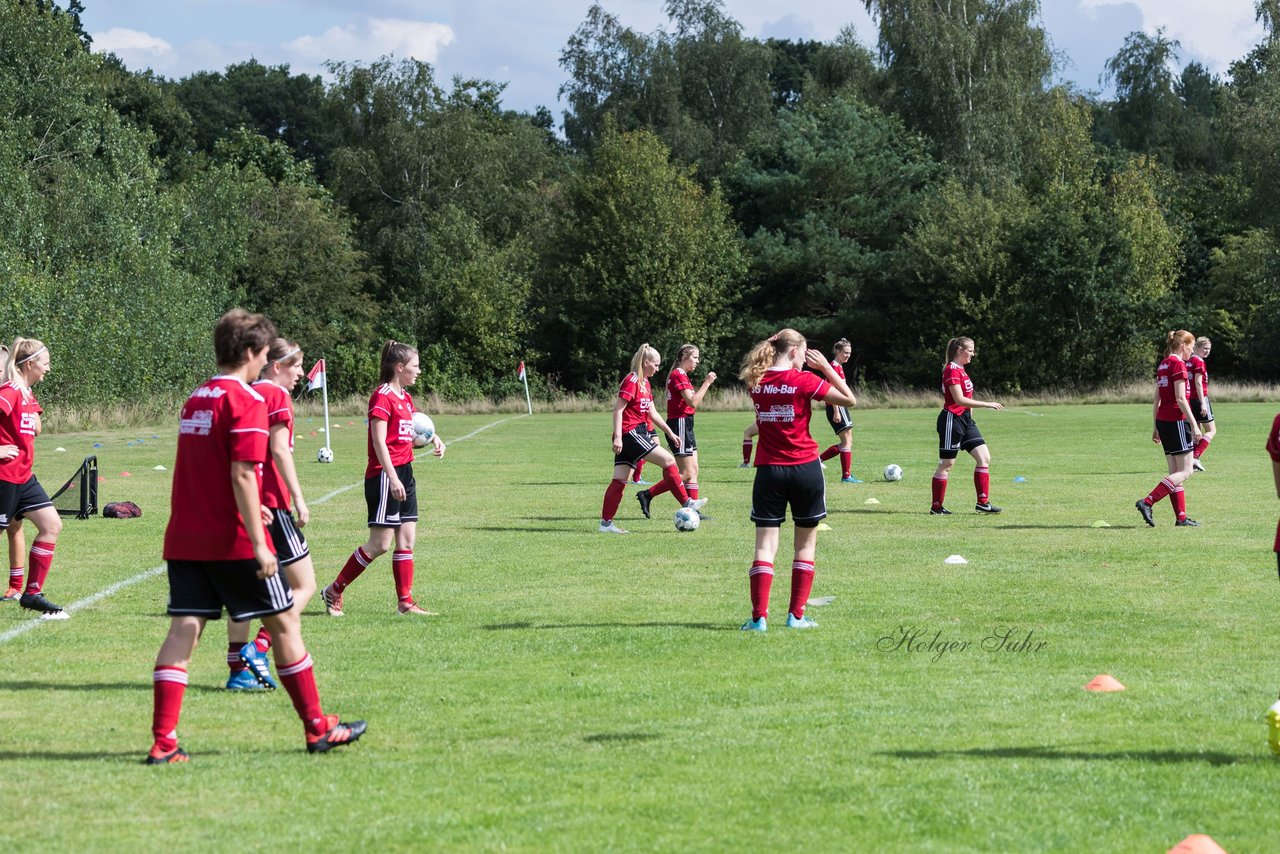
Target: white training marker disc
x: 955, y: 559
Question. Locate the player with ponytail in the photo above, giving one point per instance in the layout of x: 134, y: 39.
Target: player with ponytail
x: 957, y: 431
x: 682, y: 403
x: 1198, y: 382
x: 1175, y: 428
x: 838, y: 418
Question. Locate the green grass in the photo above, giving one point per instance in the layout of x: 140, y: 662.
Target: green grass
x: 583, y: 692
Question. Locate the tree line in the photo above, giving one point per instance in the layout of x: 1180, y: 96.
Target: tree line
x: 702, y: 186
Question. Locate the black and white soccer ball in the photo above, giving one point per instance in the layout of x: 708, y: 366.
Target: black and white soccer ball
x: 687, y: 519
x: 324, y: 455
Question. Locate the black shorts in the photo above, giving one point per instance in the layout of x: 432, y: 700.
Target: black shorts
x: 1175, y: 436
x: 1195, y: 410
x: 384, y: 510
x: 838, y: 418
x: 683, y: 428
x: 291, y: 546
x: 18, y: 499
x: 202, y: 588
x: 637, y: 444
x: 803, y: 487
x: 957, y: 433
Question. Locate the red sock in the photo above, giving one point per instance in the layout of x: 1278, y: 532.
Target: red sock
x: 168, y: 685
x: 801, y: 584
x: 746, y: 450
x: 982, y: 483
x: 15, y: 576
x: 761, y: 578
x: 234, y: 664
x: 402, y: 571
x: 1178, y: 499
x: 1162, y: 489
x: 671, y: 477
x: 300, y: 681
x: 846, y: 463
x: 612, y: 498
x: 263, y: 640
x: 1201, y: 447
x: 691, y: 487
x: 635, y: 476
x: 658, y: 488
x: 356, y: 564
x: 40, y: 559
x: 939, y: 492
x: 829, y: 453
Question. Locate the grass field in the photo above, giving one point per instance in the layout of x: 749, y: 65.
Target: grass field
x: 587, y: 692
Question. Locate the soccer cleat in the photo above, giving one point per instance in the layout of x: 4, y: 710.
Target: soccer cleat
x: 645, y: 499
x: 414, y: 608
x: 850, y: 479
x: 1145, y: 509
x: 794, y: 622
x: 941, y: 511
x: 759, y: 625
x: 1196, y: 464
x: 1273, y: 727
x: 173, y: 757
x: 11, y: 595
x: 642, y: 482
x: 696, y: 504
x: 48, y: 610
x: 256, y: 661
x: 744, y: 465
x: 986, y: 508
x: 243, y: 680
x: 332, y: 602
x: 338, y: 734
x: 1186, y: 523
x: 610, y: 528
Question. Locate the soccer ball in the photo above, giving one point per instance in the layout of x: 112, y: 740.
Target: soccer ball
x: 423, y: 427
x: 324, y: 455
x: 687, y: 519
x: 893, y: 471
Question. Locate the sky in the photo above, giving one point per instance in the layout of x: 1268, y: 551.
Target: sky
x: 519, y: 41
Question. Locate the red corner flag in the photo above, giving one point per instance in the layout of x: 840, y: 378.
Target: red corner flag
x: 520, y: 372
x: 315, y: 377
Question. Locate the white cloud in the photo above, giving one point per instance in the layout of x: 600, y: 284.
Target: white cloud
x: 136, y: 48
x: 372, y: 38
x: 1216, y: 35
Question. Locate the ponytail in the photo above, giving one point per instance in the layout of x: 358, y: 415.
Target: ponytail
x: 393, y: 353
x: 842, y: 344
x: 683, y: 353
x: 764, y: 355
x: 1177, y: 338
x: 954, y: 345
x: 24, y: 350
x: 637, y: 361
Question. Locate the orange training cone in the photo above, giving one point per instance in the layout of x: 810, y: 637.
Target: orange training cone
x: 1197, y: 843
x: 1104, y: 682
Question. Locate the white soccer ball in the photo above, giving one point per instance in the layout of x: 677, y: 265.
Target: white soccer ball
x: 423, y: 427
x: 324, y: 455
x: 893, y: 471
x: 687, y: 519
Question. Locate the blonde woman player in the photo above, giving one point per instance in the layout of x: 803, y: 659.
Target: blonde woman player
x: 682, y: 403
x: 17, y: 540
x: 1175, y: 429
x: 957, y: 431
x: 1198, y: 383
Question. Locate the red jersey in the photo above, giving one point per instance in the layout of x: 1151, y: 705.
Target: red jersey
x: 953, y: 374
x: 224, y: 421
x: 275, y: 492
x: 1273, y: 448
x: 782, y: 413
x: 677, y: 406
x: 639, y: 397
x: 395, y: 408
x: 18, y: 411
x: 839, y: 368
x: 1171, y: 369
x: 1199, y: 389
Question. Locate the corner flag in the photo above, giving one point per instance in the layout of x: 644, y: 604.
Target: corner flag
x: 315, y: 377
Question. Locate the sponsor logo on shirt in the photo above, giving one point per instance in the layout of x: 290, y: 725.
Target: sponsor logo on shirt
x: 210, y: 391
x: 199, y: 424
x: 777, y: 412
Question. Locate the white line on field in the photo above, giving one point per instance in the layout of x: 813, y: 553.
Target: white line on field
x: 31, y: 625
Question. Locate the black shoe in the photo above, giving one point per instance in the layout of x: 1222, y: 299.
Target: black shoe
x: 339, y: 734
x: 1187, y: 523
x: 37, y: 602
x: 644, y: 498
x: 173, y: 757
x: 986, y: 508
x: 1145, y: 509
x: 941, y: 511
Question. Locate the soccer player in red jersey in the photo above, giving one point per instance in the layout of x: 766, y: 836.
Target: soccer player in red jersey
x: 838, y: 418
x: 682, y: 403
x: 787, y: 468
x: 1273, y: 449
x: 248, y: 661
x: 1198, y: 379
x: 390, y: 491
x: 957, y: 432
x: 17, y: 540
x: 217, y: 546
x: 21, y: 495
x: 632, y: 416
x: 1175, y: 428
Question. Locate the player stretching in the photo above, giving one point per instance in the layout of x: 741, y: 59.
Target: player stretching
x: 682, y: 403
x: 787, y: 467
x: 632, y: 416
x: 1198, y: 379
x: 217, y: 546
x: 21, y: 495
x: 390, y: 491
x: 957, y: 431
x: 838, y: 418
x: 248, y: 661
x: 1175, y: 428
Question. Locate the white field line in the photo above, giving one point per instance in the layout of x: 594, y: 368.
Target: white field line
x: 31, y: 625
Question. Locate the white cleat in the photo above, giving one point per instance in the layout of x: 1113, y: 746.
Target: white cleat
x: 610, y: 528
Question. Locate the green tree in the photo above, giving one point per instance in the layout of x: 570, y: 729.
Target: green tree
x: 1146, y: 109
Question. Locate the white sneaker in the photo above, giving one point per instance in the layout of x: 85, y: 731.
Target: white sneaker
x: 610, y: 528
x: 1197, y: 465
x: 1273, y: 727
x: 55, y: 615
x: 696, y: 503
x: 744, y: 465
